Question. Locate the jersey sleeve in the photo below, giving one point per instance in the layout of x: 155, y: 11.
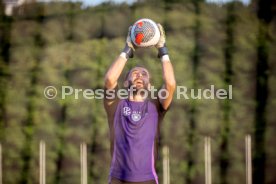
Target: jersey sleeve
x: 110, y: 101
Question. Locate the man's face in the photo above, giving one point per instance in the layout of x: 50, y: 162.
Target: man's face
x: 138, y: 78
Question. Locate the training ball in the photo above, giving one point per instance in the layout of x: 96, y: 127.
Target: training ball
x: 145, y: 33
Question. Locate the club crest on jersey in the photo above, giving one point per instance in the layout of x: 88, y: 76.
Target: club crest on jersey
x: 135, y: 116
x: 126, y: 111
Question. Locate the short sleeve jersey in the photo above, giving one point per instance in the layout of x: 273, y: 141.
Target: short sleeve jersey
x: 134, y: 134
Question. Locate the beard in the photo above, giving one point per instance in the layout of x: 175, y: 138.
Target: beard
x: 138, y: 86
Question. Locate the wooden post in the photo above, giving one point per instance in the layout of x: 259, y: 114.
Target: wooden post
x: 42, y: 165
x: 208, y: 165
x: 83, y: 163
x: 166, y: 165
x: 248, y: 159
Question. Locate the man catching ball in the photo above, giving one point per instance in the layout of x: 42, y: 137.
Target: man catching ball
x: 134, y: 122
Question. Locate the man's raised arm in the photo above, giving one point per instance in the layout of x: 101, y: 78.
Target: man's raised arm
x: 113, y: 73
x: 167, y: 69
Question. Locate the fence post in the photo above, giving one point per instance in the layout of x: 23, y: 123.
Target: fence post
x: 166, y: 165
x: 83, y: 163
x: 208, y: 166
x: 42, y: 165
x: 248, y: 160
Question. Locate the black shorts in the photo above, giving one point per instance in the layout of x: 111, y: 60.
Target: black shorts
x: 117, y: 181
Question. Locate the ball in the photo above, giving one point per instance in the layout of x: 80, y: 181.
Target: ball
x: 145, y: 33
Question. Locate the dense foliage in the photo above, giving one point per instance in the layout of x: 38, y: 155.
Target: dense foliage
x: 63, y: 44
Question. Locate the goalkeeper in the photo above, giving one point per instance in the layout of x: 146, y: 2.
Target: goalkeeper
x: 134, y: 123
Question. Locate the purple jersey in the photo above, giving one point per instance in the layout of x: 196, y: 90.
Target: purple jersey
x: 135, y: 128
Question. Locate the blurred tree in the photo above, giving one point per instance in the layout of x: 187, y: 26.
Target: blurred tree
x: 229, y: 49
x: 63, y: 140
x: 104, y: 8
x: 193, y: 112
x: 264, y: 14
x: 29, y: 123
x: 61, y: 133
x: 5, y: 44
x: 94, y: 176
x: 5, y: 52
